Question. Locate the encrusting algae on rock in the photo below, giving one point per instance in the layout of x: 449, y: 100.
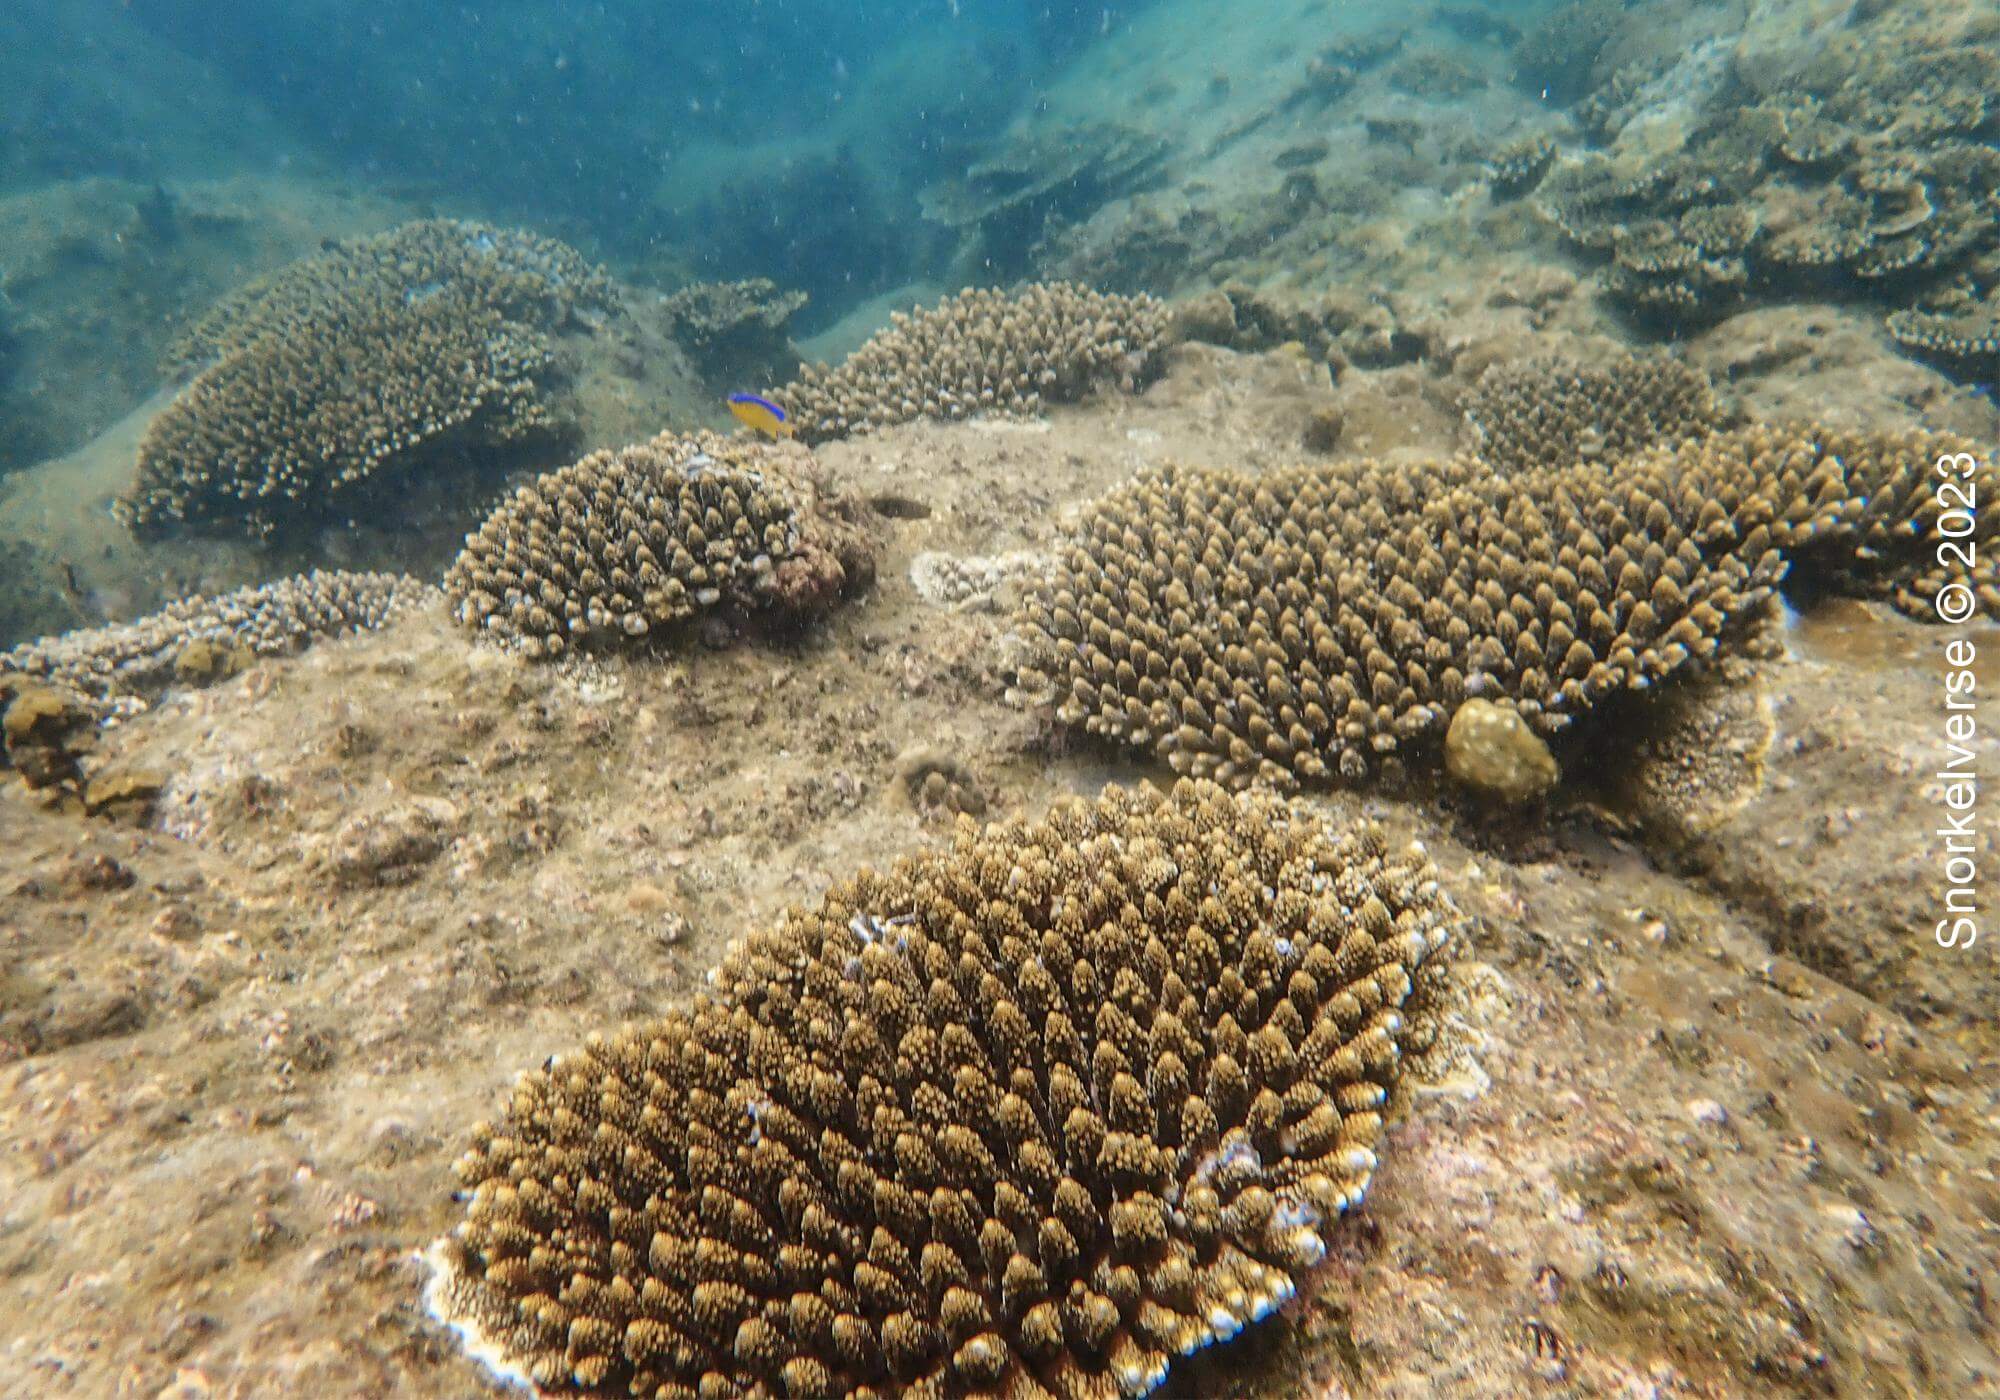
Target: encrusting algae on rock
x: 1490, y: 750
x: 1029, y: 1116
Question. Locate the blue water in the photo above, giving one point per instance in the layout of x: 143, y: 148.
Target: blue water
x: 777, y: 139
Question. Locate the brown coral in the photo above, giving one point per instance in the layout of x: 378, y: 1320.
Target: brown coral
x: 938, y: 784
x: 121, y: 665
x: 1520, y: 165
x: 1551, y: 411
x: 1030, y: 1116
x: 624, y: 543
x: 982, y: 352
x: 1326, y: 622
x: 522, y: 275
x: 369, y: 360
x: 1960, y: 332
x: 1867, y: 167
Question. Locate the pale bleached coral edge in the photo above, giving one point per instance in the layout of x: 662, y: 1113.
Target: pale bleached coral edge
x: 491, y: 1356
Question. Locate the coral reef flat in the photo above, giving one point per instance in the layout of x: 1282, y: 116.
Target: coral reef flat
x: 840, y: 699
x: 1721, y: 1120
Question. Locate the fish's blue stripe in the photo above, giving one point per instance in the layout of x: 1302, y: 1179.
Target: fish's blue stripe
x: 776, y: 412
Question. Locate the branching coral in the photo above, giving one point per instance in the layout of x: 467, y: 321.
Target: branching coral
x: 1958, y: 331
x: 612, y: 548
x: 1032, y: 1116
x: 1326, y: 622
x: 983, y: 352
x: 1553, y: 411
x: 119, y: 666
x: 365, y: 361
x: 1874, y: 168
x: 518, y: 274
x: 1520, y: 165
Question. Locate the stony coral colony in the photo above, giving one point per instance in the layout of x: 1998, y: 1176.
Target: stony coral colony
x: 625, y: 545
x: 1033, y: 1115
x: 1873, y: 166
x: 1041, y: 1112
x: 982, y: 352
x: 365, y: 361
x: 1323, y: 624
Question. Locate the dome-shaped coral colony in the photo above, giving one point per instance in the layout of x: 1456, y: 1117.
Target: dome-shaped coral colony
x: 609, y: 548
x: 364, y: 361
x: 982, y: 352
x: 1031, y: 1116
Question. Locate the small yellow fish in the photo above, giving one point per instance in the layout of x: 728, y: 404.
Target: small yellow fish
x: 760, y: 414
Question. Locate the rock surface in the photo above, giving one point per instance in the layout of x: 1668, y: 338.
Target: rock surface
x: 1490, y: 750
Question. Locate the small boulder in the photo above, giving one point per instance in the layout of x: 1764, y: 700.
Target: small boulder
x: 1490, y: 750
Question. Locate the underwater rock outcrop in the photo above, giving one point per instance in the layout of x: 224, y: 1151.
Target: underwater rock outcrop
x: 1551, y: 411
x: 983, y: 352
x: 120, y: 666
x: 1435, y: 74
x: 1490, y: 750
x: 45, y: 731
x: 1558, y: 54
x: 629, y: 542
x: 736, y: 332
x: 1340, y: 328
x: 1037, y: 178
x: 1325, y: 623
x: 36, y: 590
x: 365, y: 361
x: 1031, y: 1115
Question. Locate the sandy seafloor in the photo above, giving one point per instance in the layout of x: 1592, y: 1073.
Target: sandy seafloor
x: 1731, y: 1128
